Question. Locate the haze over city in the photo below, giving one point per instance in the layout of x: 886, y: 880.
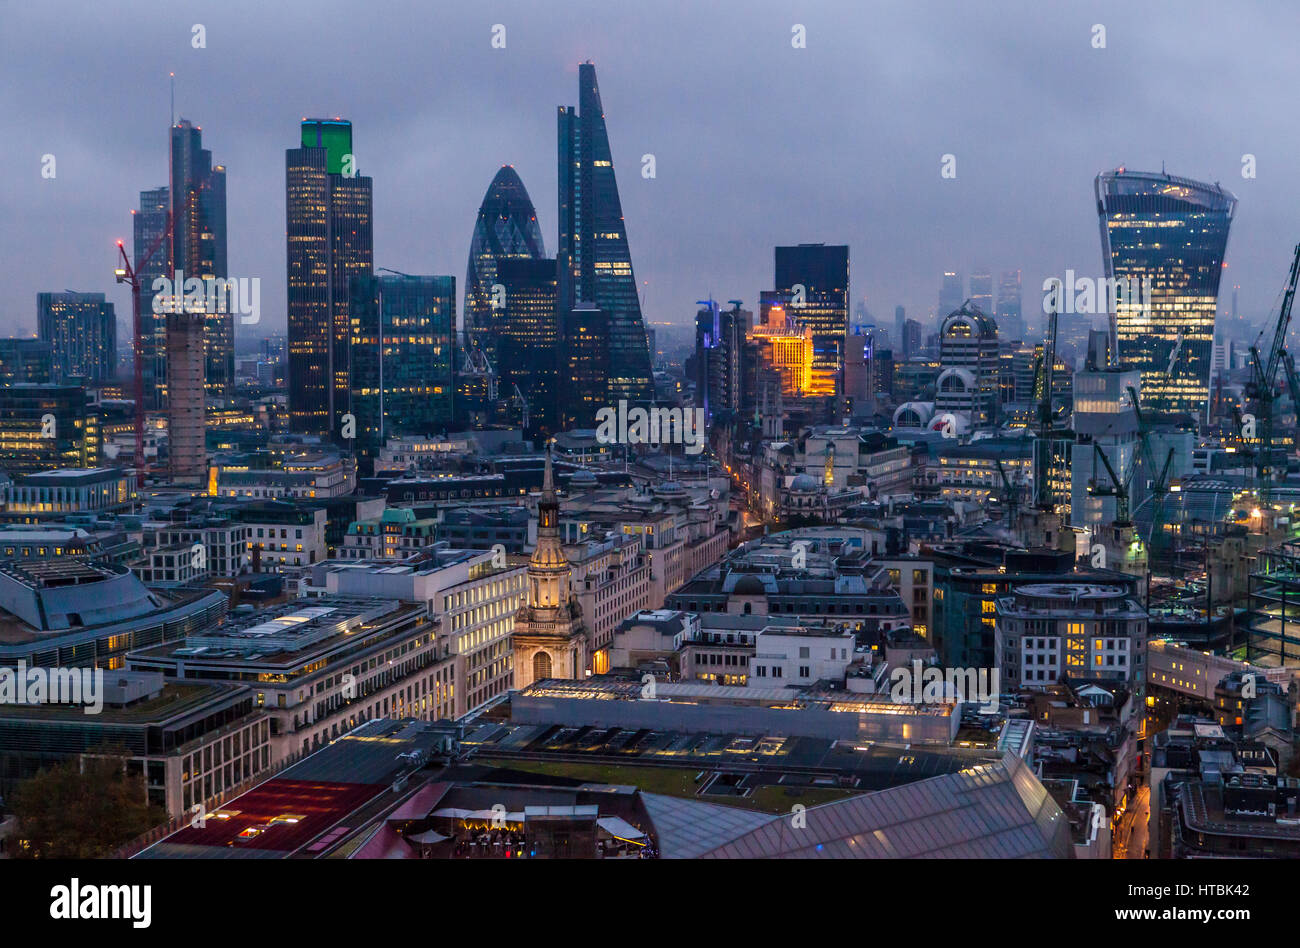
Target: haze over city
x: 736, y: 118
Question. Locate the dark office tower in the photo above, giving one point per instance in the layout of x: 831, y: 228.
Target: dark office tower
x: 81, y: 329
x: 911, y: 339
x: 1011, y: 321
x: 25, y: 361
x: 403, y: 330
x: 951, y: 295
x: 981, y: 291
x: 822, y: 271
x: 528, y: 341
x: 1170, y: 234
x: 43, y: 427
x: 198, y: 246
x: 149, y: 224
x: 900, y: 320
x: 328, y: 210
x: 719, y: 344
x: 586, y: 354
x: 506, y: 228
x: 595, y: 264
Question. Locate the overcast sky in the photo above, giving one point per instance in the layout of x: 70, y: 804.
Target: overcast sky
x: 756, y: 143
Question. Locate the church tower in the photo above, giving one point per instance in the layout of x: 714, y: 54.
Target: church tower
x: 549, y: 640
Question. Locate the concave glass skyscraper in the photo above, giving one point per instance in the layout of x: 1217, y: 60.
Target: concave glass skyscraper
x: 594, y: 262
x: 1172, y: 232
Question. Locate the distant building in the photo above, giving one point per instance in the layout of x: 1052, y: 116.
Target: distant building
x: 814, y: 279
x: 81, y: 329
x: 26, y: 361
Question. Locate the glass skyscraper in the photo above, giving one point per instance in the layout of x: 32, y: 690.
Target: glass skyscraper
x: 595, y: 264
x: 1172, y: 232
x: 506, y: 228
x: 528, y: 340
x: 150, y: 225
x: 402, y: 340
x: 329, y: 231
x: 198, y: 246
x: 823, y: 306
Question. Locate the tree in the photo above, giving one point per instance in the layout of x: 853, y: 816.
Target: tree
x: 83, y: 808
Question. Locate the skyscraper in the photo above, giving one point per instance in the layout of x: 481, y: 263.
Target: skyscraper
x: 328, y: 207
x: 198, y: 245
x: 952, y: 294
x: 586, y: 357
x: 506, y: 228
x: 402, y: 333
x: 814, y: 278
x: 1011, y: 322
x: 528, y: 340
x: 719, y: 346
x: 595, y: 264
x: 1171, y: 234
x: 81, y: 329
x: 149, y: 225
x: 981, y: 291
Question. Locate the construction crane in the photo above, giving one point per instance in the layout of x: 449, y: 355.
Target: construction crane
x: 1262, y: 389
x: 1158, y: 484
x: 130, y: 275
x: 1118, y: 487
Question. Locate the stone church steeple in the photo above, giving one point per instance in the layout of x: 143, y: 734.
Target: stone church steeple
x: 549, y: 640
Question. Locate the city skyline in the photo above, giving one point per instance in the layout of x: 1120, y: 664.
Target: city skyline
x: 756, y: 196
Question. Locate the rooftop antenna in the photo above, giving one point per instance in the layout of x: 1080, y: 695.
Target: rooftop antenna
x: 172, y: 79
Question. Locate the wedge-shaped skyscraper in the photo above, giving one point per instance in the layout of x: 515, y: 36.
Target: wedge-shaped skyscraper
x: 594, y: 262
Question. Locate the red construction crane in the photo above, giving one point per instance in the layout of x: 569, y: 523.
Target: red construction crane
x: 128, y: 274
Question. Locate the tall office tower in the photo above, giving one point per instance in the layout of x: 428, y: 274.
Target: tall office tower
x: 586, y: 355
x: 1011, y: 321
x: 952, y: 294
x: 26, y: 360
x: 186, y: 447
x: 81, y: 329
x: 402, y: 352
x: 814, y: 280
x: 981, y: 291
x: 1171, y: 234
x: 911, y: 341
x: 719, y: 345
x: 506, y: 228
x: 969, y: 381
x: 329, y: 218
x: 149, y: 225
x: 595, y: 265
x: 900, y: 321
x: 528, y: 341
x: 198, y: 245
